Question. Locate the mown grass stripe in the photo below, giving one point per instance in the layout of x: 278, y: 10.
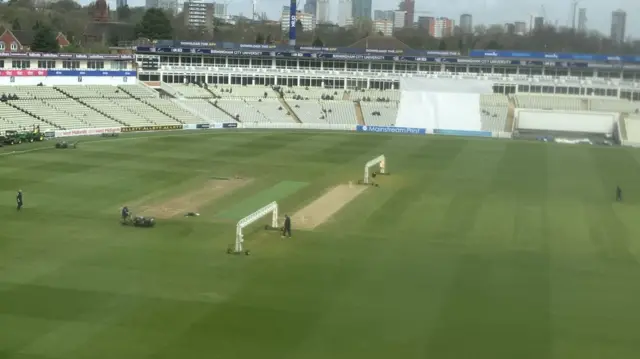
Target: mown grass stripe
x: 275, y: 193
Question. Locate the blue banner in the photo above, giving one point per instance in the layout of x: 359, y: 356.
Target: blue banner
x: 91, y: 73
x: 554, y: 56
x: 463, y: 133
x: 385, y: 129
x: 292, y: 22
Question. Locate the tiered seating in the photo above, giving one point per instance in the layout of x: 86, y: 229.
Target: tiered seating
x: 119, y: 113
x: 311, y: 93
x: 205, y: 109
x: 272, y: 110
x: 173, y: 110
x: 493, y: 118
x: 633, y: 129
x: 146, y: 112
x: 245, y: 111
x: 494, y: 100
x: 610, y: 105
x: 93, y: 91
x: 340, y: 112
x: 543, y: 102
x: 373, y: 95
x: 85, y: 114
x: 50, y: 113
x: 246, y: 92
x: 191, y: 91
x: 13, y: 119
x: 20, y: 91
x: 308, y: 111
x: 388, y: 113
x: 140, y: 91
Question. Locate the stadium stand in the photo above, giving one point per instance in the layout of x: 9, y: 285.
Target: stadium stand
x: 543, y: 102
x: 204, y: 109
x: 82, y: 106
x: 633, y: 129
x: 379, y: 113
x: 15, y: 119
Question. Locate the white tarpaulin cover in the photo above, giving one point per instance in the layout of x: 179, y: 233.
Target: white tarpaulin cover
x: 441, y: 103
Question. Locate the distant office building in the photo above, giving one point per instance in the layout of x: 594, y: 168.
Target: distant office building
x: 344, y: 12
x: 121, y: 3
x: 510, y: 28
x: 538, y: 23
x: 409, y: 6
x: 361, y: 9
x: 310, y: 6
x: 582, y: 20
x: 322, y: 11
x: 198, y: 15
x: 384, y: 27
x: 618, y: 26
x: 220, y: 10
x: 466, y: 24
x: 441, y: 27
x: 520, y: 27
x: 308, y: 21
x: 383, y: 15
x: 171, y: 6
x: 424, y: 22
x: 399, y: 19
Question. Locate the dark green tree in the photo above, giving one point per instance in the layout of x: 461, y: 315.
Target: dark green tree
x: 259, y: 39
x: 317, y: 42
x: 44, y: 39
x: 15, y: 25
x: 124, y: 13
x: 442, y: 46
x: 380, y: 33
x: 494, y: 45
x: 299, y: 27
x: 154, y: 25
x: 269, y: 39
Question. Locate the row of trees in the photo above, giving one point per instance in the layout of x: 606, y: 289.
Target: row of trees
x: 72, y: 19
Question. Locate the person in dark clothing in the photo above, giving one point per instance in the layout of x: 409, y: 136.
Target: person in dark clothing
x: 125, y: 213
x: 19, y: 199
x: 286, y: 229
x: 618, y: 194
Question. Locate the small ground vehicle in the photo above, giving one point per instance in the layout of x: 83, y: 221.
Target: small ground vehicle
x: 139, y: 221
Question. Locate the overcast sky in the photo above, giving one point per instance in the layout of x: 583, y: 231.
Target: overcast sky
x: 483, y: 11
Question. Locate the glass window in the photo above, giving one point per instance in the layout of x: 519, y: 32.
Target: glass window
x: 14, y: 46
x: 46, y: 64
x: 70, y: 64
x: 93, y: 64
x: 1, y: 46
x: 21, y: 64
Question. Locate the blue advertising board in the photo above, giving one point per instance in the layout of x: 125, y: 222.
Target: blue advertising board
x: 388, y: 129
x: 554, y: 56
x: 292, y: 22
x: 463, y: 133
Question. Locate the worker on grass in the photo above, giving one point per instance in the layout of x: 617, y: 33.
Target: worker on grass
x: 286, y: 229
x: 618, y: 194
x: 19, y: 199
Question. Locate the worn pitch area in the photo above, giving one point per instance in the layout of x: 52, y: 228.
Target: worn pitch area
x: 193, y: 200
x: 320, y: 210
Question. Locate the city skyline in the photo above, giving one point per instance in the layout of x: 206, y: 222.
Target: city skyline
x: 486, y: 12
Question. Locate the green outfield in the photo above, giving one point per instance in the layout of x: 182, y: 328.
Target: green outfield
x: 470, y: 249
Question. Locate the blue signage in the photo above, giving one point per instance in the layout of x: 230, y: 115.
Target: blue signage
x: 554, y: 56
x: 385, y: 129
x: 292, y: 22
x: 91, y: 73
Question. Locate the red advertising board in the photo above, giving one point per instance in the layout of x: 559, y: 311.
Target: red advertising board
x: 22, y: 73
